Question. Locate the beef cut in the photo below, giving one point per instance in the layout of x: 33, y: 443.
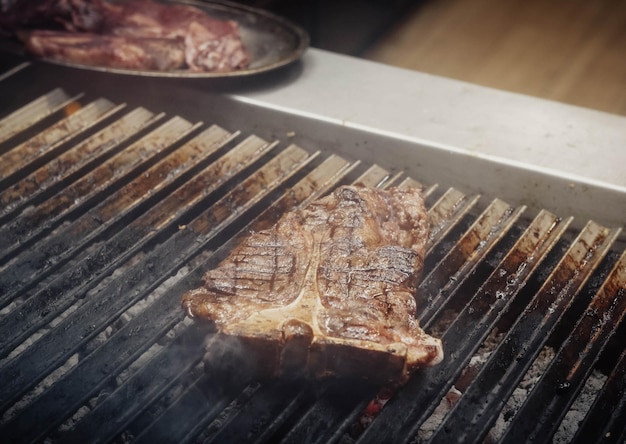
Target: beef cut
x: 155, y: 54
x: 329, y: 290
x: 137, y: 34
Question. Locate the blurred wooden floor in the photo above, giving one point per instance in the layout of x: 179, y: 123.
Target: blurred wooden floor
x: 573, y: 51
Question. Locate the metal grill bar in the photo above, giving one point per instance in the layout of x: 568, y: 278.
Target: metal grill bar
x: 276, y: 402
x: 59, y: 169
x: 605, y: 420
x: 446, y: 213
x: 146, y: 230
x: 14, y: 70
x: 331, y: 415
x: 95, y: 222
x: 465, y: 334
x: 114, y: 208
x: 374, y: 176
x: 164, y: 370
x: 266, y: 410
x: 191, y: 408
x: 49, y: 139
x: 478, y: 409
x: 33, y: 223
x: 554, y: 393
x: 34, y: 112
x: 463, y: 258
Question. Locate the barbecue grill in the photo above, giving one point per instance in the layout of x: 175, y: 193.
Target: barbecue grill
x: 117, y: 193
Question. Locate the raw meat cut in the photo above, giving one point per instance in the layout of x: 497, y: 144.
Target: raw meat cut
x: 329, y: 290
x: 110, y: 51
x: 138, y: 34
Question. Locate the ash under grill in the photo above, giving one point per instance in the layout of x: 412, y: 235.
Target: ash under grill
x: 109, y: 214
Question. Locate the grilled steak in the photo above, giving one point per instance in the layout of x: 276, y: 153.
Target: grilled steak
x: 140, y: 34
x: 329, y: 290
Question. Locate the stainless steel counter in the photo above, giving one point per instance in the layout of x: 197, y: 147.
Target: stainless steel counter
x: 575, y: 156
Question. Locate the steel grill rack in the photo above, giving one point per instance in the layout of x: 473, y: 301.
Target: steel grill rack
x: 109, y: 213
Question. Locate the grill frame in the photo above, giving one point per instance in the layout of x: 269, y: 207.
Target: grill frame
x: 480, y: 231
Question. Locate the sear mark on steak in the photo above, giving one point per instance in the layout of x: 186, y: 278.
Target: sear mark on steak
x: 138, y: 34
x: 329, y: 290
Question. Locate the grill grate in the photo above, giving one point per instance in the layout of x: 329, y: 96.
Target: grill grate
x: 108, y: 215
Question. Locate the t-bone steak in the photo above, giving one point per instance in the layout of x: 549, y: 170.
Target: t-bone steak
x: 136, y: 34
x: 328, y: 290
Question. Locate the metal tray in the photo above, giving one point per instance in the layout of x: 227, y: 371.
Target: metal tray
x: 272, y: 41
